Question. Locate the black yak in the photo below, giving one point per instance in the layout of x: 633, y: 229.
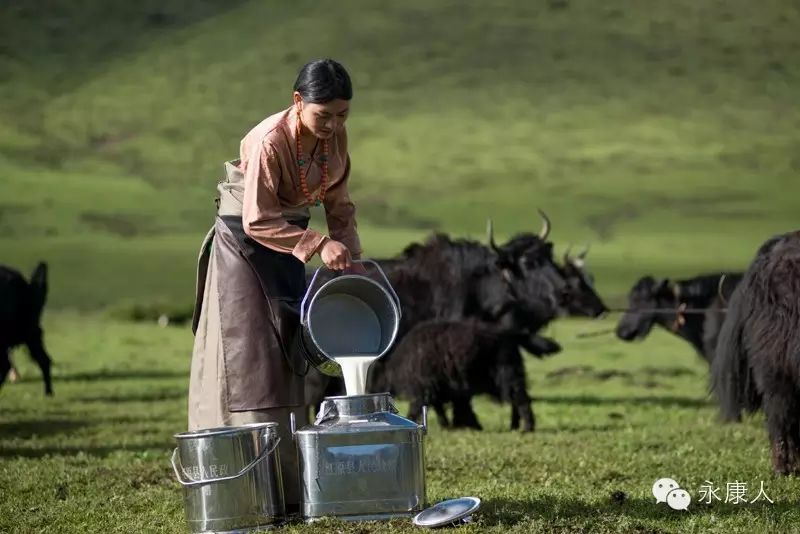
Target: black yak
x: 21, y: 305
x: 453, y: 279
x: 652, y: 302
x: 441, y: 362
x: 759, y: 348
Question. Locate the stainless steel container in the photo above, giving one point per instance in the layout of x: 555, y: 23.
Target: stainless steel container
x: 349, y: 315
x: 231, y: 477
x: 361, y: 461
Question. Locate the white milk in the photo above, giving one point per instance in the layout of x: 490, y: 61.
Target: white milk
x: 354, y: 370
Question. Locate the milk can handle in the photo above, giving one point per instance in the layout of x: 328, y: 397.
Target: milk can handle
x: 394, y: 296
x: 305, y: 297
x: 388, y: 285
x: 178, y: 468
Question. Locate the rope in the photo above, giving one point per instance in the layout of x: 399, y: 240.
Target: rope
x: 680, y: 311
x: 662, y: 310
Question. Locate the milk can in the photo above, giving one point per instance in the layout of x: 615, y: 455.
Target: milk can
x: 349, y: 314
x: 231, y: 477
x: 361, y: 461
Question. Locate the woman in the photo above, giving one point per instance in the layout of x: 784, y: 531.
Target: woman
x: 251, y: 274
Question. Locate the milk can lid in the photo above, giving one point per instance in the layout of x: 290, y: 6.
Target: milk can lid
x: 448, y: 512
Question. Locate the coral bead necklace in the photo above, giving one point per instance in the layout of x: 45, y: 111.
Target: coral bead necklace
x: 302, y: 170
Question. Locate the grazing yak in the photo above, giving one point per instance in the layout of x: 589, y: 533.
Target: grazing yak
x: 759, y: 348
x: 652, y: 302
x: 21, y: 305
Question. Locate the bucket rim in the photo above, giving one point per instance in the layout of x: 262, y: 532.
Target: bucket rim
x: 365, y: 395
x: 223, y: 430
x: 394, y: 305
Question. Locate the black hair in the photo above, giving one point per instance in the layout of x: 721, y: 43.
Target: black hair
x: 323, y: 80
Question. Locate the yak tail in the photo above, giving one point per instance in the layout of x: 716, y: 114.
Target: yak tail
x: 730, y: 371
x: 38, y: 286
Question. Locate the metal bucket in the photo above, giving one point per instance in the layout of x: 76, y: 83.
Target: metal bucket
x: 361, y: 461
x: 348, y: 315
x: 231, y: 477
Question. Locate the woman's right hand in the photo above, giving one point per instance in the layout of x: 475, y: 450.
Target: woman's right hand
x: 335, y: 255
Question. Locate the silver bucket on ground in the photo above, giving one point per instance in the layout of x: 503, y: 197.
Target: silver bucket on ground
x: 231, y: 477
x: 361, y: 461
x: 349, y: 315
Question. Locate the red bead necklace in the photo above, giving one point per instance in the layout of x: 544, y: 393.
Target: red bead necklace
x: 301, y: 162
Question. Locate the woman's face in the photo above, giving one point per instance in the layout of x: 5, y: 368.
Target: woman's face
x: 322, y: 120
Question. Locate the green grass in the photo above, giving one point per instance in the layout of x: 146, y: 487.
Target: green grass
x: 95, y: 458
x: 667, y: 134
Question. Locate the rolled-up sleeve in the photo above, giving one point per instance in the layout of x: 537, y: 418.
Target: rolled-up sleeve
x: 262, y: 217
x: 340, y: 213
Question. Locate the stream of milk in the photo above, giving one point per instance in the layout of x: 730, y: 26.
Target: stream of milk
x: 354, y: 369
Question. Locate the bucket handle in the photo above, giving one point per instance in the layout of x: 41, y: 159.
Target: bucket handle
x: 189, y: 483
x: 383, y: 275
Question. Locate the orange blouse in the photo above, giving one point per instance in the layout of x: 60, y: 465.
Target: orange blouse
x: 272, y: 185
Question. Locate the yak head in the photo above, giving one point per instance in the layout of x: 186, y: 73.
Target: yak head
x: 569, y: 288
x: 580, y: 294
x: 645, y: 299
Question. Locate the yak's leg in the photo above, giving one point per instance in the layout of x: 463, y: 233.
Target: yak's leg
x: 524, y: 411
x: 463, y: 414
x: 782, y: 408
x: 415, y: 409
x: 39, y: 354
x: 5, y: 365
x: 441, y: 414
x: 521, y: 406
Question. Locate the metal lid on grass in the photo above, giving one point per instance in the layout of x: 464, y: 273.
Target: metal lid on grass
x: 448, y: 513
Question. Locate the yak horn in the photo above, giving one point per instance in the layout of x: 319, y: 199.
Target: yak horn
x: 582, y: 254
x: 490, y: 234
x: 720, y: 287
x: 567, y: 259
x: 545, y: 231
x: 676, y: 290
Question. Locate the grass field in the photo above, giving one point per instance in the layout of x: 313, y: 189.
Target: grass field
x: 666, y: 134
x: 611, y: 418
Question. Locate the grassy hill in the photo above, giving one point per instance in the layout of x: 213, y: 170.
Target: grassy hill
x: 667, y: 135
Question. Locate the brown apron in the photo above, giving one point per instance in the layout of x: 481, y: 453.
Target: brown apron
x: 258, y: 291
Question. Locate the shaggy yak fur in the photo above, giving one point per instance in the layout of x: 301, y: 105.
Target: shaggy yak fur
x: 758, y: 351
x: 440, y: 362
